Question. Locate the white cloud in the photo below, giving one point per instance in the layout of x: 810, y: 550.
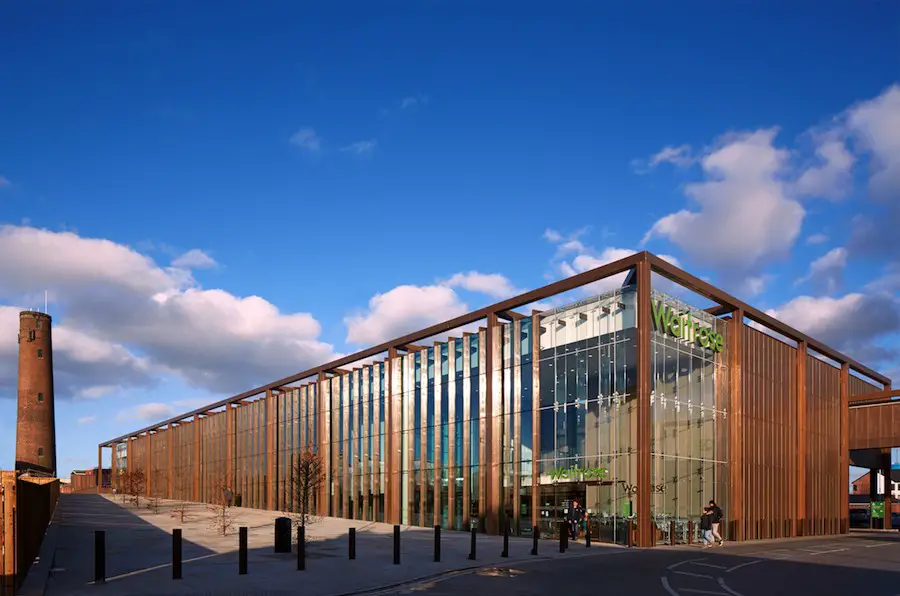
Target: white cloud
x: 875, y: 123
x: 679, y: 156
x: 850, y: 323
x: 817, y: 239
x: 117, y: 303
x: 361, y: 147
x: 87, y: 420
x: 194, y: 259
x: 307, y: 139
x: 831, y: 177
x: 827, y: 272
x: 403, y: 310
x: 745, y: 215
x: 491, y: 284
x: 552, y: 235
x: 150, y: 412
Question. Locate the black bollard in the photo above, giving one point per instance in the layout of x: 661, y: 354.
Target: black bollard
x: 587, y: 535
x: 437, y: 544
x: 505, y: 552
x: 396, y: 545
x: 472, y: 548
x: 242, y: 550
x: 535, y: 534
x: 563, y: 537
x: 301, y: 548
x: 100, y: 557
x: 352, y: 553
x: 176, y: 553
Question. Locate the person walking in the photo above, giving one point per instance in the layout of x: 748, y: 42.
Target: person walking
x: 576, y: 513
x: 706, y: 528
x: 717, y: 515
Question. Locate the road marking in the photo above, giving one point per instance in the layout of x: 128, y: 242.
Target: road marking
x: 825, y: 552
x: 711, y: 565
x: 700, y: 575
x: 695, y: 591
x: 685, y: 562
x: 665, y: 584
x: 736, y: 567
x: 877, y: 545
x: 726, y: 588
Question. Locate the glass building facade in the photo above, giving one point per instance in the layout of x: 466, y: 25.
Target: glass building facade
x: 640, y: 412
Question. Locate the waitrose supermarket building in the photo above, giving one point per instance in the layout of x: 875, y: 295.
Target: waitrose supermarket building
x: 635, y: 403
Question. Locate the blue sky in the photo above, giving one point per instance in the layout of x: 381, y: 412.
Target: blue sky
x: 367, y: 170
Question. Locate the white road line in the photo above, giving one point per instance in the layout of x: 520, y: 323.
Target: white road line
x: 747, y: 564
x: 877, y: 545
x: 700, y: 575
x: 825, y: 552
x: 695, y: 591
x: 685, y: 562
x: 726, y: 588
x: 665, y: 584
x: 711, y: 565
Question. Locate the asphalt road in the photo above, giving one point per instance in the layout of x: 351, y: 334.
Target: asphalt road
x: 863, y: 564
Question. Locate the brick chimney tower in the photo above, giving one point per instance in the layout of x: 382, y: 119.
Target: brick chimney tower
x: 36, y: 422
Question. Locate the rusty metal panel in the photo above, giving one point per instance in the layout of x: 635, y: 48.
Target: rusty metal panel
x: 874, y: 426
x: 823, y: 445
x: 644, y: 422
x: 769, y: 420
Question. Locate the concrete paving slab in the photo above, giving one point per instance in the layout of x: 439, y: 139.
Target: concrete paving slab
x: 139, y: 543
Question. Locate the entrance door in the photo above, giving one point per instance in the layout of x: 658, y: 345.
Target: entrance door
x: 556, y: 501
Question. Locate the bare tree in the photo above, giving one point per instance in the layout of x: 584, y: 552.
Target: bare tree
x: 307, y: 475
x: 136, y: 486
x: 180, y: 509
x: 123, y: 483
x: 221, y: 520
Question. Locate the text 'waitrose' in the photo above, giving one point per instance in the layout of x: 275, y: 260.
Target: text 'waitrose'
x: 667, y: 320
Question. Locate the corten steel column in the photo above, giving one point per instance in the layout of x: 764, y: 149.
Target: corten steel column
x: 845, y: 447
x: 170, y: 456
x: 391, y: 475
x: 438, y: 436
x: 324, y: 411
x: 113, y: 468
x: 149, y: 463
x: 802, y: 439
x: 345, y: 461
x: 229, y: 447
x: 451, y: 433
x: 467, y: 431
x: 644, y: 429
x: 376, y: 440
x: 494, y: 407
x: 886, y: 492
x: 195, y: 463
x: 512, y: 413
x: 99, y: 466
x: 365, y: 476
x: 535, y: 418
x: 484, y: 422
x: 736, y: 335
x: 423, y: 438
x: 269, y: 484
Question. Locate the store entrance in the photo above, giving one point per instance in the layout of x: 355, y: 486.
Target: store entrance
x: 594, y: 497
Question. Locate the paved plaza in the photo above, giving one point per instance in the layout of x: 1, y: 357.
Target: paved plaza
x: 139, y: 543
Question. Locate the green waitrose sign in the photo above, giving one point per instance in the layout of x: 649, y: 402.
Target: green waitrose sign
x: 681, y: 326
x: 575, y: 474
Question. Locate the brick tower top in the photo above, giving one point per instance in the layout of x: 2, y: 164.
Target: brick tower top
x: 35, y: 422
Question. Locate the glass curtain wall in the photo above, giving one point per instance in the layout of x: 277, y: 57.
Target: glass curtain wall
x: 689, y: 392
x: 588, y: 414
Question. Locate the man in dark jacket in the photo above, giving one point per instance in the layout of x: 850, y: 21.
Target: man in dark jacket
x: 576, y: 514
x: 716, y: 515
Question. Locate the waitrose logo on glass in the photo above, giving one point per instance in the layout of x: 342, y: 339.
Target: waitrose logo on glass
x: 576, y: 474
x: 681, y: 326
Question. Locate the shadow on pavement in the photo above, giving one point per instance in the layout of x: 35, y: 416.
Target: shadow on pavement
x: 139, y: 553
